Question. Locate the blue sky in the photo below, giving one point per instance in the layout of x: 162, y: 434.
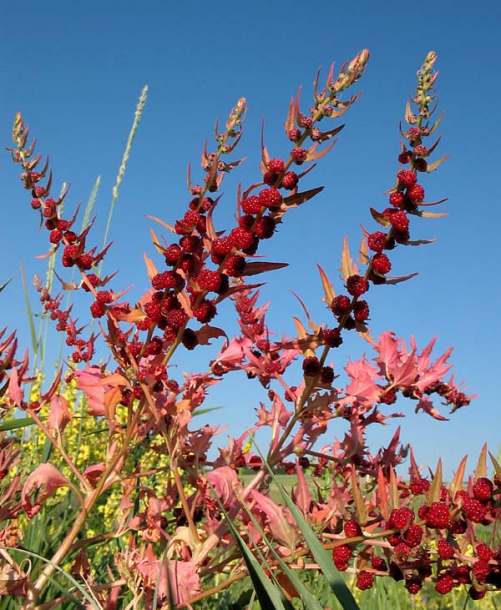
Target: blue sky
x: 76, y: 71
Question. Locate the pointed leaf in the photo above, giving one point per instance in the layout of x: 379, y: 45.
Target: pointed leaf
x: 481, y: 469
x: 327, y: 286
x: 299, y: 198
x: 457, y: 482
x: 433, y: 494
x: 360, y: 510
x: 497, y: 467
x: 255, y: 267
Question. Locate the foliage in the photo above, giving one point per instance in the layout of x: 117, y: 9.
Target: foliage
x: 117, y: 499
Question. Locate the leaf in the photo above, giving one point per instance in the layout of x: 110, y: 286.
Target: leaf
x: 150, y: 267
x: 255, y: 267
x: 379, y: 218
x: 392, y: 280
x: 360, y: 510
x: 481, y: 469
x: 156, y: 242
x: 206, y: 332
x: 432, y: 214
x: 394, y: 493
x: 382, y: 494
x: 327, y: 286
x: 433, y: 166
x: 300, y: 198
x: 495, y: 463
x: 433, y: 494
x: 314, y: 156
x: 161, y: 222
x: 457, y: 482
x: 16, y: 423
x: 39, y: 486
x: 347, y: 267
x: 5, y: 284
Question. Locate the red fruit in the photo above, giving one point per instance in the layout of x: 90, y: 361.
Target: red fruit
x: 416, y: 193
x: 400, y: 221
x: 205, y: 311
x: 305, y: 121
x: 381, y: 263
x: 294, y: 134
x: 252, y: 205
x: 404, y: 157
x: 365, y: 580
x: 421, y: 150
x: 235, y: 266
x: 481, y: 569
x: 352, y: 528
x: 222, y: 245
x: 400, y: 518
x: 340, y: 305
x: 176, y: 318
x: 445, y: 549
x: 276, y: 166
x: 55, y: 236
x: 299, y: 155
x: 270, y: 198
x: 419, y: 486
x: 327, y: 375
x: 361, y: 311
x: 289, y: 181
x: 484, y: 552
x: 341, y: 556
x: 172, y: 254
x: 332, y: 337
x: 270, y: 178
x: 167, y: 279
x: 475, y: 594
x: 413, y: 586
x: 437, y: 516
x: 420, y: 165
x: 190, y: 243
x: 397, y: 199
x: 265, y: 227
x: 445, y: 584
x: 247, y: 222
x: 209, y: 280
x: 189, y: 339
x: 311, y: 366
x: 85, y: 262
x: 482, y: 489
x: 413, y: 535
x: 378, y: 563
x: 240, y: 238
x: 104, y: 297
x: 474, y: 510
x: 97, y: 310
x: 191, y: 219
x: 377, y: 241
x: 406, y: 177
x: 357, y: 285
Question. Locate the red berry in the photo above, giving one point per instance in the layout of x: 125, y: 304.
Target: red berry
x: 55, y: 236
x: 289, y: 181
x: 357, y: 285
x: 332, y: 337
x: 327, y: 375
x: 445, y: 584
x: 189, y: 339
x: 404, y: 157
x: 240, y: 238
x: 294, y: 134
x: 365, y: 580
x: 421, y: 150
x: 305, y: 121
x: 235, y: 266
x: 176, y: 318
x: 381, y: 263
x: 85, y: 261
x: 265, y: 227
x: 400, y: 221
x: 104, y: 297
x: 205, y: 311
x: 437, y: 516
x: 377, y: 241
x: 400, y: 518
x: 167, y: 279
x: 276, y: 166
x: 406, y: 177
x: 474, y: 510
x: 270, y: 178
x: 270, y: 198
x: 209, y: 280
x: 341, y: 556
x: 352, y: 528
x: 378, y: 563
x: 172, y: 254
x: 252, y: 205
x: 311, y: 366
x: 361, y: 311
x: 413, y: 585
x: 413, y: 535
x: 484, y: 552
x: 445, y: 549
x: 97, y: 310
x: 475, y: 594
x: 340, y: 305
x: 416, y: 193
x: 299, y: 155
x: 222, y: 245
x: 482, y: 489
x: 397, y: 199
x: 481, y: 569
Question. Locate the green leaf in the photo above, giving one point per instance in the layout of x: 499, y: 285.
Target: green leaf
x: 16, y: 423
x: 321, y: 556
x: 5, y: 284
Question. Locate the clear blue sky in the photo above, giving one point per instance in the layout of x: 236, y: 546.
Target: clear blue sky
x: 75, y: 70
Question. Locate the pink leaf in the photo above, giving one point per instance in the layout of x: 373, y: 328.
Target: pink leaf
x: 224, y: 480
x: 39, y: 486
